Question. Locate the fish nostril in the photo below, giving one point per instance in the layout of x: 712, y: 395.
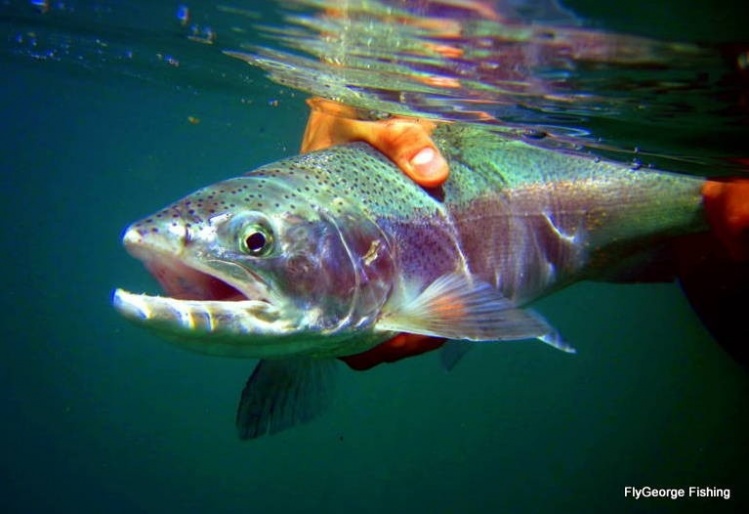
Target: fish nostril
x: 187, y: 237
x: 133, y: 236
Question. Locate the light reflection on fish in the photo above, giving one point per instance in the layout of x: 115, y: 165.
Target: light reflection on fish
x: 332, y: 253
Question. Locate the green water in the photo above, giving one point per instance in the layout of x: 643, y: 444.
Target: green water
x: 98, y: 416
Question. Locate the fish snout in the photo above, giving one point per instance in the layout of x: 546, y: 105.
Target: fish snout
x: 167, y: 236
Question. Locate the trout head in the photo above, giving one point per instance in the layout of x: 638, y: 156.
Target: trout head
x: 275, y: 263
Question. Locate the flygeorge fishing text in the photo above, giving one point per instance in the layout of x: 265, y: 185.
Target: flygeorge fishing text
x: 676, y: 493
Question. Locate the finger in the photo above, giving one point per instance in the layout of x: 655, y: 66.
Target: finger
x: 409, y: 145
x: 726, y: 204
x: 405, y: 141
x: 329, y: 124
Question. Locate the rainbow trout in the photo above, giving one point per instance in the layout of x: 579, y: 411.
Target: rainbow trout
x: 332, y: 253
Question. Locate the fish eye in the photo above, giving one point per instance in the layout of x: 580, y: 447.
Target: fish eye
x: 257, y: 241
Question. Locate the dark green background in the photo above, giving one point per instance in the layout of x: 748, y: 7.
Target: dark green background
x: 98, y: 416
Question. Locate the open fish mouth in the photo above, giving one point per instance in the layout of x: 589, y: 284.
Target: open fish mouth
x: 212, y: 280
x: 210, y: 298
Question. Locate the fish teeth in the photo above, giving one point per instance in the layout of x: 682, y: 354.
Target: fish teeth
x: 205, y: 316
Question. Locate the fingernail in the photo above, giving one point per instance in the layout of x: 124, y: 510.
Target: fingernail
x: 430, y: 168
x: 424, y: 156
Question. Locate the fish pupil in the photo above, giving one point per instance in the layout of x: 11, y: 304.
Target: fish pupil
x: 255, y: 242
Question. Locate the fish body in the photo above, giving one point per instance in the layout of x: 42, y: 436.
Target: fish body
x: 331, y: 253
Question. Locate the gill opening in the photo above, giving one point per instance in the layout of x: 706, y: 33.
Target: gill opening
x: 345, y: 320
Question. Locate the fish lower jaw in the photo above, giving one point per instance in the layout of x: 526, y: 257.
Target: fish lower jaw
x: 199, y: 317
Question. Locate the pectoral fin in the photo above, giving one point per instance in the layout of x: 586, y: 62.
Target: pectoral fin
x: 456, y: 307
x: 454, y: 351
x: 556, y: 340
x: 283, y: 393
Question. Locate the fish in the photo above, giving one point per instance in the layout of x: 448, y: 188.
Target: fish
x: 329, y: 254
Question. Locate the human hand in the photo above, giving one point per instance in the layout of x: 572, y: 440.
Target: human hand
x: 405, y: 141
x: 726, y: 203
